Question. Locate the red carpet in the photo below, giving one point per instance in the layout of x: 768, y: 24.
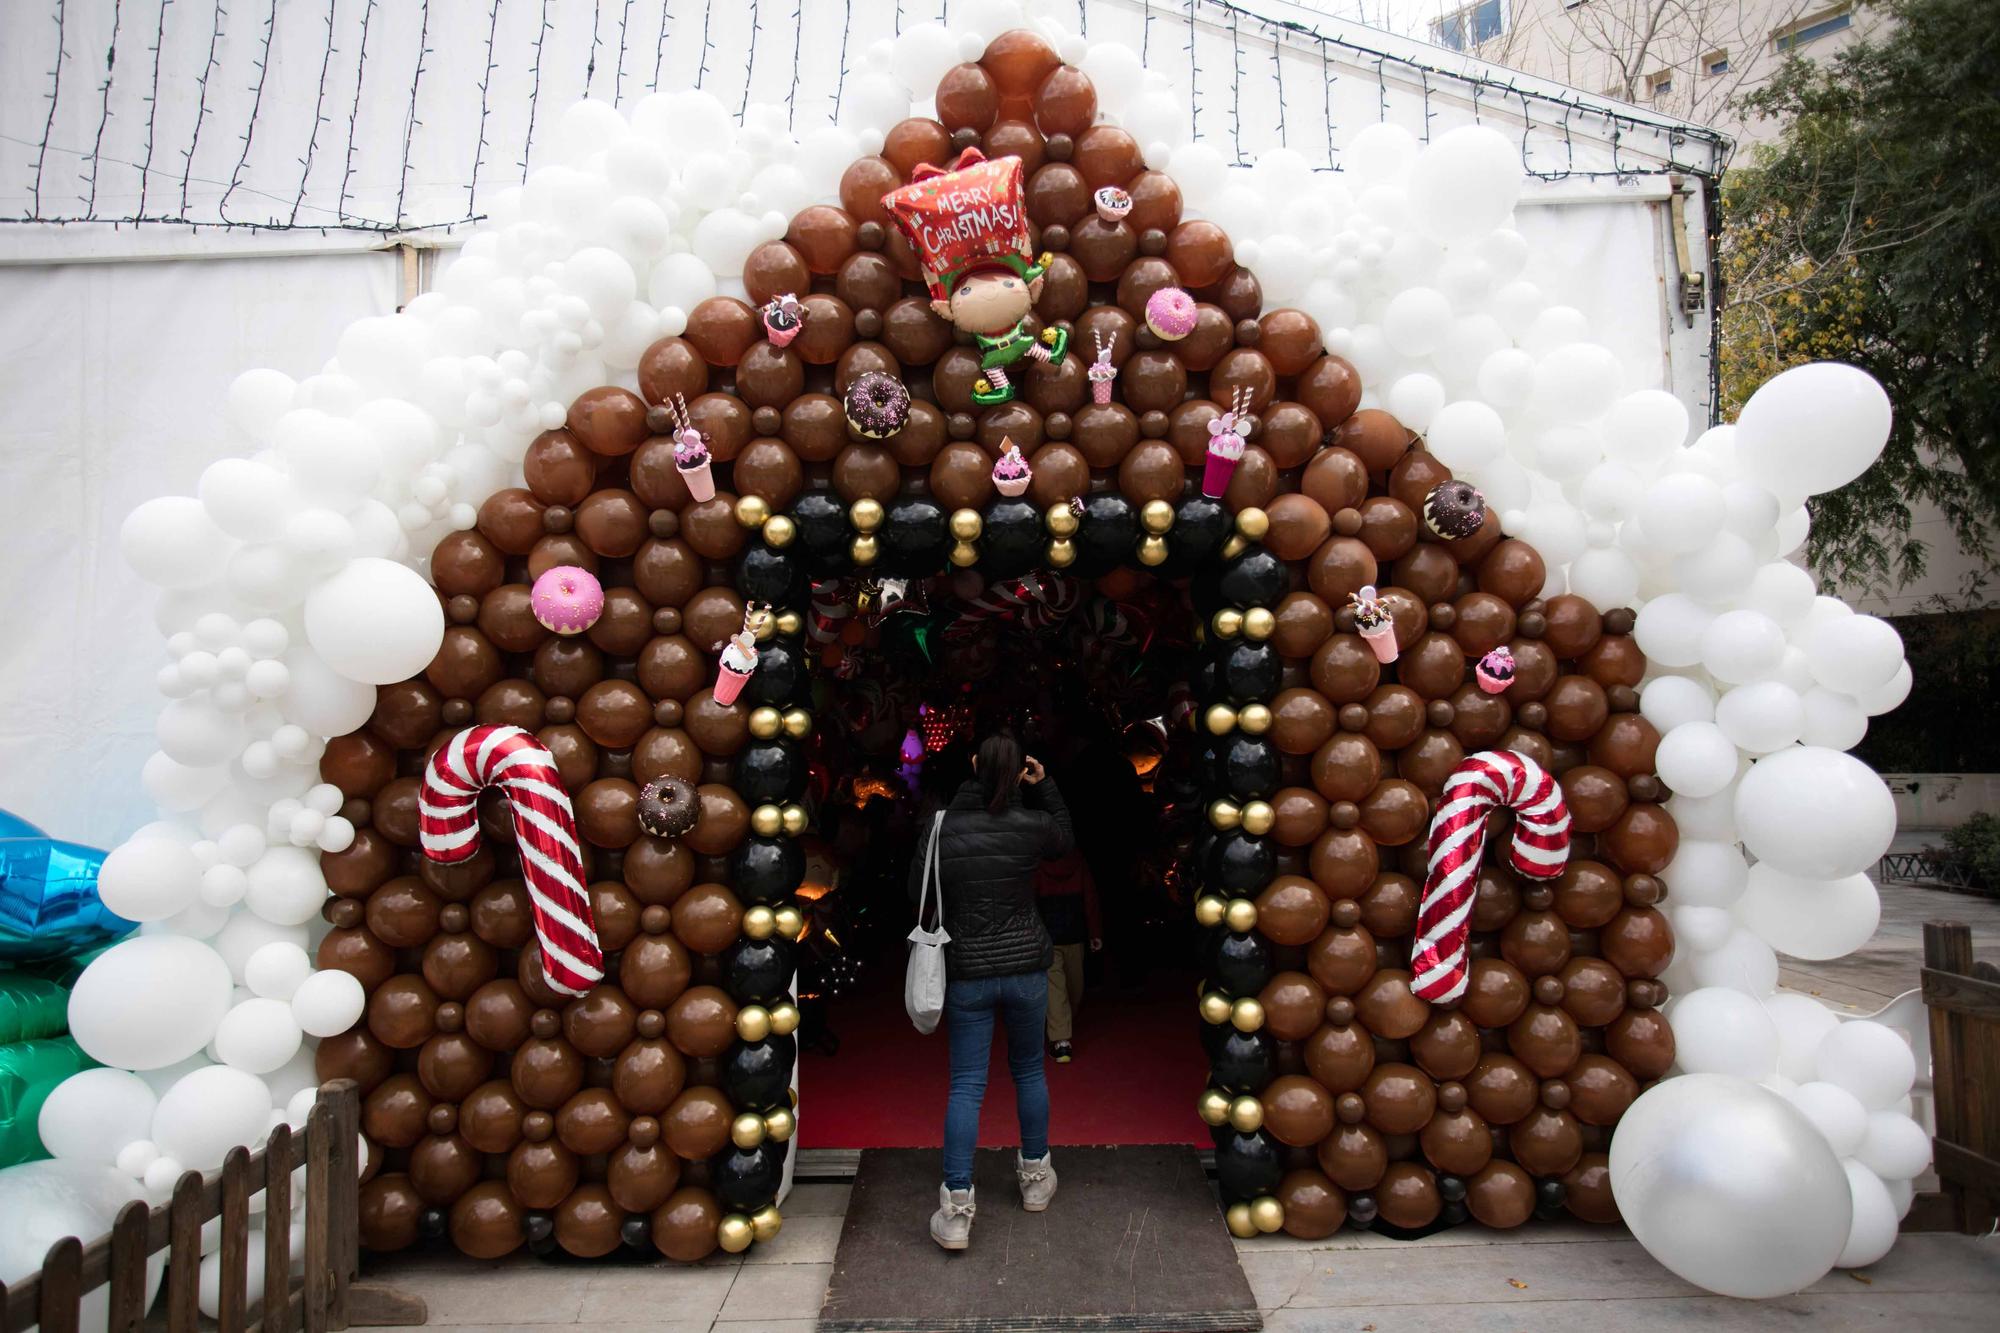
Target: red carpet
x: 1138, y: 1069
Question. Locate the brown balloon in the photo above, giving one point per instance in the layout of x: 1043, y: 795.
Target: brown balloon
x: 1408, y: 1196
x: 486, y: 1222
x: 684, y: 1226
x: 1501, y: 1195
x: 1458, y: 1142
x: 696, y: 1125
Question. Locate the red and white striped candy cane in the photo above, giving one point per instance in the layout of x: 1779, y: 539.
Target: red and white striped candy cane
x: 1438, y: 963
x: 544, y: 830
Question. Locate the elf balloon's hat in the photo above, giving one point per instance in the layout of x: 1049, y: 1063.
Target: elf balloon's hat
x: 966, y: 220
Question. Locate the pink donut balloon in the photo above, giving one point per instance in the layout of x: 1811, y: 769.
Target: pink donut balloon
x: 1170, y: 313
x: 567, y: 599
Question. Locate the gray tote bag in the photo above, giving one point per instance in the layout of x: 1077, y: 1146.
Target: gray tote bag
x: 923, y: 984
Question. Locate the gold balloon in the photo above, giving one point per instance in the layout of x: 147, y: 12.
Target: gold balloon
x: 1208, y: 909
x: 1267, y: 1213
x: 780, y: 1125
x: 759, y: 922
x: 765, y: 821
x: 753, y: 1022
x: 1228, y: 622
x: 1152, y: 550
x: 1246, y: 1115
x: 790, y: 921
x: 747, y: 1130
x: 764, y: 722
x: 1224, y: 815
x: 866, y: 515
x: 965, y: 555
x: 1061, y: 520
x: 1252, y: 523
x: 797, y: 722
x: 1246, y: 1015
x: 784, y: 1018
x: 1156, y: 516
x: 1062, y: 553
x: 966, y: 524
x: 864, y: 549
x: 788, y: 622
x: 1221, y: 719
x: 1259, y: 622
x: 1258, y: 816
x: 1238, y: 1218
x: 752, y: 510
x: 1255, y: 719
x: 1215, y: 1008
x: 1235, y: 546
x: 1213, y: 1108
x: 779, y: 530
x: 765, y: 1222
x: 792, y: 819
x: 734, y: 1233
x: 1240, y: 916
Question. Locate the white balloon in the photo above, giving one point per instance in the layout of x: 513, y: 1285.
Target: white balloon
x: 1671, y: 630
x: 1605, y: 578
x: 1576, y: 381
x: 603, y: 278
x: 247, y: 499
x: 257, y: 398
x: 1894, y: 1147
x: 276, y: 970
x: 1782, y: 591
x: 375, y: 621
x: 245, y: 934
x: 1701, y: 930
x: 1611, y: 492
x: 1719, y: 572
x: 1813, y: 428
x: 1802, y: 1023
x: 333, y: 460
x: 1832, y: 721
x: 1465, y: 183
x: 1467, y: 435
x: 1761, y: 717
x: 1416, y: 320
x: 1742, y: 962
x: 1642, y: 428
x: 91, y: 1116
x: 1415, y: 400
x: 1707, y: 873
x: 258, y: 1035
x: 1718, y: 1030
x: 149, y: 1001
x: 1681, y: 513
x: 1696, y: 758
x: 1728, y: 1185
x: 1815, y: 813
x: 46, y: 1201
x: 209, y: 1112
x: 1669, y: 701
x: 1381, y: 152
x: 149, y: 879
x: 1740, y: 646
x: 327, y: 1003
x: 1809, y: 917
x: 1853, y: 654
x: 286, y: 887
x: 171, y: 542
x: 1711, y: 818
x: 1834, y: 1112
x: 1871, y: 1061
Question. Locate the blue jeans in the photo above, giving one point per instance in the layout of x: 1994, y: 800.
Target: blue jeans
x: 1021, y: 1002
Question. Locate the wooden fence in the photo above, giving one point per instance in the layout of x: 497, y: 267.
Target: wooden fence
x: 319, y: 1300
x: 1963, y: 997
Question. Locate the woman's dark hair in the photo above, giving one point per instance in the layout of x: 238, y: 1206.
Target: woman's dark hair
x: 999, y: 765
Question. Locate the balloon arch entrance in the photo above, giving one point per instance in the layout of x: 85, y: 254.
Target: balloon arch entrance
x: 656, y: 1110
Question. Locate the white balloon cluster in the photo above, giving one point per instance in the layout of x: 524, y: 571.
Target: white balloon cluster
x: 293, y: 581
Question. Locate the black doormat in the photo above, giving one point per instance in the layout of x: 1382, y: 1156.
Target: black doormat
x: 1134, y: 1240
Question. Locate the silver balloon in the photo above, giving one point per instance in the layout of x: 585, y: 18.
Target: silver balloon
x: 1728, y: 1185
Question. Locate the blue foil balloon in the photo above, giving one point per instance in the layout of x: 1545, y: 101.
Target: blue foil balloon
x: 49, y: 906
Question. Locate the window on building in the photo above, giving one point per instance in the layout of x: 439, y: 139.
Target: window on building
x: 1811, y: 29
x: 1716, y: 62
x: 1463, y: 29
x: 1659, y: 85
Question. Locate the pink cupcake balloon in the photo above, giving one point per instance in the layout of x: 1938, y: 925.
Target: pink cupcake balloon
x: 567, y: 599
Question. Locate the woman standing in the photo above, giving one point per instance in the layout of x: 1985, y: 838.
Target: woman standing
x: 997, y: 829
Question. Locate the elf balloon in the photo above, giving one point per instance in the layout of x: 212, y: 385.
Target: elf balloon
x: 969, y: 227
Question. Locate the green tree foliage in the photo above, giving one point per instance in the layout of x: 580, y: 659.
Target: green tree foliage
x: 1870, y: 232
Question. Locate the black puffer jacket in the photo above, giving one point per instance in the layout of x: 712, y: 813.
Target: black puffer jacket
x: 987, y: 865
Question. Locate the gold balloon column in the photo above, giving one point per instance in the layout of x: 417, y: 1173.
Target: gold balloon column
x: 655, y: 1112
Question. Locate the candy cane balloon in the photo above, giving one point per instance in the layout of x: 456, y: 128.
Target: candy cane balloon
x: 1438, y: 965
x: 544, y: 830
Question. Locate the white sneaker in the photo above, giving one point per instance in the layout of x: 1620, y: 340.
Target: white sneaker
x: 951, y: 1224
x: 1038, y: 1181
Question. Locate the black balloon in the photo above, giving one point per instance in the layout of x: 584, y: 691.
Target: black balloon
x: 1254, y: 578
x: 637, y: 1232
x: 781, y: 674
x: 1549, y: 1197
x: 540, y: 1230
x: 1243, y: 1063
x: 1109, y: 536
x: 1247, y: 767
x: 746, y: 1179
x: 764, y: 870
x: 1238, y: 963
x: 1238, y: 865
x: 768, y: 576
x: 1010, y: 540
x: 1247, y: 1165
x: 757, y: 971
x: 914, y: 537
x: 1201, y: 526
x: 770, y: 772
x: 432, y: 1223
x: 757, y: 1074
x: 1361, y: 1209
x: 1248, y: 672
x: 823, y: 532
